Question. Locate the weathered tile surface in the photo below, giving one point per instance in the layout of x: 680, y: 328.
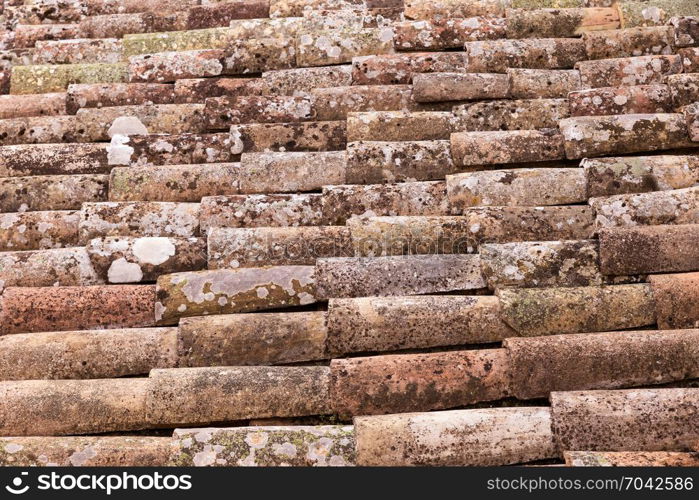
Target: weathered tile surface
x: 493, y: 436
x: 87, y: 354
x: 226, y: 291
x: 265, y: 246
x: 391, y: 323
x: 206, y: 395
x: 105, y: 451
x: 370, y: 162
x: 540, y: 365
x: 649, y: 249
x: 314, y: 446
x: 550, y: 311
x: 402, y: 383
x: 541, y: 264
x: 128, y: 259
x: 517, y: 187
x: 642, y: 419
x: 45, y: 309
x: 412, y: 274
x: 282, y: 214
x: 251, y: 339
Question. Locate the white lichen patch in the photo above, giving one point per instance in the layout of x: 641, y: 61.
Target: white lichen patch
x: 126, y: 126
x: 153, y: 250
x: 118, y: 151
x: 122, y: 271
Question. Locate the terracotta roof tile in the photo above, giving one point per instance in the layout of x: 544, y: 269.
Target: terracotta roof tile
x: 536, y: 83
x: 686, y: 30
x: 289, y: 8
x: 171, y: 66
x: 266, y: 246
x: 550, y: 311
x: 638, y: 174
x: 38, y: 230
x: 446, y: 33
x: 425, y: 9
x: 245, y: 30
x: 629, y: 42
x: 129, y: 259
x: 634, y: 13
x: 676, y: 206
x: 684, y: 88
x: 410, y: 274
x: 495, y: 56
x: 459, y: 86
x: 516, y: 187
x: 129, y: 218
x: 108, y: 451
x: 496, y: 436
x: 77, y: 51
x: 340, y: 46
x: 393, y: 323
x: 97, y: 95
x: 327, y: 445
x: 173, y: 149
x: 639, y: 419
x: 396, y: 126
x: 541, y: 264
x: 691, y: 115
x: 205, y: 395
x: 380, y: 161
x: 291, y: 172
x: 296, y: 81
x: 392, y: 69
x: 225, y: 291
x: 204, y: 192
x: 16, y: 106
x: 690, y: 59
x: 62, y: 407
x: 417, y: 382
x: 50, y: 267
x: 26, y: 35
x: 557, y: 23
x: 540, y: 365
x: 340, y: 203
x: 116, y: 25
x: 618, y: 134
x: 51, y: 192
x: 675, y: 299
x: 299, y: 136
x: 42, y: 129
x: 194, y: 90
x: 53, y: 159
x: 511, y: 114
x: 254, y: 339
x: 45, y: 309
x: 209, y: 16
x: 626, y: 71
x: 630, y: 459
x: 649, y: 249
x: 515, y: 146
x: 87, y: 354
x: 56, y: 78
x: 101, y: 124
x: 621, y: 100
x: 262, y: 210
x: 222, y: 112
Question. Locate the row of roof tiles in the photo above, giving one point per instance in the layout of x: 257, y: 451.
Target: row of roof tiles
x: 255, y: 55
x: 656, y: 423
x: 31, y: 304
